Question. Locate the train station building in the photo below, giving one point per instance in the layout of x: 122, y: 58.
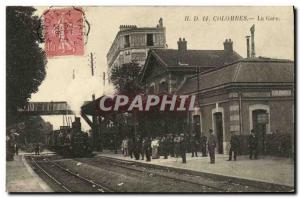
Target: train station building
x: 254, y: 93
x: 234, y: 96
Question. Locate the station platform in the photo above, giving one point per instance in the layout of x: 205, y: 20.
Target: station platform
x: 266, y: 169
x: 21, y: 178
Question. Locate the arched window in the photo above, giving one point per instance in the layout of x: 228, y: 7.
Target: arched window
x: 259, y: 117
x: 151, y: 89
x: 163, y: 86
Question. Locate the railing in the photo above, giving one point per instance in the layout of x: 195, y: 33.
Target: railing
x: 46, y: 108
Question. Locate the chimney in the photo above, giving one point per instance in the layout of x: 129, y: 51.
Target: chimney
x: 182, y: 45
x: 252, y: 30
x: 127, y: 27
x: 248, y: 46
x: 228, y: 46
x: 160, y: 23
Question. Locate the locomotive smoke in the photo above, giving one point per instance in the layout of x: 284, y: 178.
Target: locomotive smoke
x: 77, y: 94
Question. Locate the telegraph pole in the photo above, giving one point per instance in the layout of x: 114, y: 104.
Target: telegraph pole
x: 198, y: 81
x: 198, y: 101
x: 92, y: 63
x: 103, y: 78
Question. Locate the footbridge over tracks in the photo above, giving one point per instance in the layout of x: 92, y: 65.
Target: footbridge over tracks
x: 46, y: 108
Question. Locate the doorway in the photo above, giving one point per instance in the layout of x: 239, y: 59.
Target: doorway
x: 260, y: 120
x: 218, y: 123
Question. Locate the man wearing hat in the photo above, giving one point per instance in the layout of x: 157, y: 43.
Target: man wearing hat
x: 211, y: 145
x: 203, y: 141
x: 253, y: 144
x: 194, y: 144
x: 234, y: 146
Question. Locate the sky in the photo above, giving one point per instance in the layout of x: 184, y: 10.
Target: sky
x: 273, y: 38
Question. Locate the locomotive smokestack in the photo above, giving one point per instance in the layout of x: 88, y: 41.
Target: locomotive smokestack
x: 252, y: 30
x: 248, y: 46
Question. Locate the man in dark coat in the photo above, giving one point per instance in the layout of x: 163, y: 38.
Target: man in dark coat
x: 147, y: 148
x: 171, y: 145
x: 138, y: 147
x: 182, y: 147
x: 176, y: 145
x: 211, y: 145
x: 234, y: 146
x: 131, y: 146
x: 194, y: 144
x: 252, y: 144
x: 203, y: 141
x: 143, y: 148
x: 37, y: 149
x: 164, y: 147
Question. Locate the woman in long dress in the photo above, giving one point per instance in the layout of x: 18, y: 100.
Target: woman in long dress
x: 154, y: 146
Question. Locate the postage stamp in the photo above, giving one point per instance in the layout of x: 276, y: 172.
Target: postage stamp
x: 151, y: 99
x: 63, y: 30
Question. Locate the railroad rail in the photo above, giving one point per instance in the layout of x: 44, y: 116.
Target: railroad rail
x: 219, y: 185
x: 50, y: 176
x: 89, y: 185
x: 124, y: 164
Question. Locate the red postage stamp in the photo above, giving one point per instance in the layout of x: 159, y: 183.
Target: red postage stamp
x: 63, y: 29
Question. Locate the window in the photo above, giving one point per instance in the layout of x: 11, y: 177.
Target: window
x: 151, y: 90
x: 149, y: 39
x: 163, y: 87
x: 127, y: 43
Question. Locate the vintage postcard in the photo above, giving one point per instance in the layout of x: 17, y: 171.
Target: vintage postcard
x: 163, y: 99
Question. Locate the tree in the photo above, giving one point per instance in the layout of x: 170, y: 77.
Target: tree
x: 25, y: 60
x: 125, y: 78
x: 36, y: 130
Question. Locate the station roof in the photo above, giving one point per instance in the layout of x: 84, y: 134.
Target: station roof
x: 215, y: 58
x: 189, y: 60
x: 251, y: 70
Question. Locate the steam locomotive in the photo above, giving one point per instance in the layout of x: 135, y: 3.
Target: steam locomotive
x: 70, y: 141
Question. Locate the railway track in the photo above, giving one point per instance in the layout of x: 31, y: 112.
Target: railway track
x: 67, y: 180
x: 65, y: 174
x: 129, y: 166
x: 154, y: 173
x: 216, y: 184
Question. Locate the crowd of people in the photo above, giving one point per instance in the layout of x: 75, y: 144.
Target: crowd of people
x: 177, y: 145
x: 153, y: 148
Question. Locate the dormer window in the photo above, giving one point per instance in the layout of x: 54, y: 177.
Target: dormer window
x: 163, y: 87
x: 151, y: 89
